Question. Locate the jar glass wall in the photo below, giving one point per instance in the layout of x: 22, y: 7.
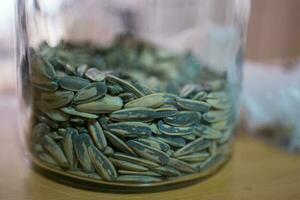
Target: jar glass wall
x: 129, y: 94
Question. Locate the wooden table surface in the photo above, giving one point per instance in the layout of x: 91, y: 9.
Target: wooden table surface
x: 256, y: 172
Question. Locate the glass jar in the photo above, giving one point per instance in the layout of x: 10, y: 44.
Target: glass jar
x: 129, y: 94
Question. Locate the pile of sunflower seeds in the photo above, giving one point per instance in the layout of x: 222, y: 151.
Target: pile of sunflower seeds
x: 99, y: 122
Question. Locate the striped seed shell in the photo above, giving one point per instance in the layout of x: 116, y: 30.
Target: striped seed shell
x: 207, y: 132
x: 81, y: 144
x: 214, y: 116
x: 73, y: 83
x: 134, y: 114
x: 118, y: 143
x: 218, y: 103
x: 102, y: 164
x: 106, y: 104
x: 130, y: 129
x: 150, y: 101
x: 183, y: 118
x: 181, y: 165
x: 173, y: 130
x: 55, y: 151
x: 121, y: 164
x: 194, y: 157
x: 196, y: 145
x: 149, y: 152
x: 193, y: 105
x: 57, y: 115
x: 91, y: 92
x: 94, y: 74
x: 55, y: 99
x: 69, y: 147
x: 157, y: 144
x: 135, y: 160
x: 97, y: 135
x: 72, y: 111
x: 138, y: 179
x: 174, y: 141
x: 166, y: 171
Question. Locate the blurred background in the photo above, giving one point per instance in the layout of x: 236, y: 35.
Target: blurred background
x: 273, y: 36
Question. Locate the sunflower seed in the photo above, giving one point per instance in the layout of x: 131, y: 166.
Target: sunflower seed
x: 55, y: 151
x: 207, y: 132
x: 166, y: 171
x: 124, y: 84
x: 165, y: 111
x: 149, y: 152
x: 188, y: 89
x: 183, y: 118
x: 137, y: 179
x: 91, y: 175
x: 55, y: 136
x: 49, y: 86
x: 72, y: 111
x: 106, y: 104
x: 212, y: 149
x: 130, y: 129
x: 91, y: 92
x: 120, y: 164
x: 81, y: 143
x: 56, y: 115
x: 97, y: 135
x: 47, y: 158
x: 146, y: 173
x: 174, y: 131
x: 38, y: 148
x: 214, y: 116
x: 108, y: 151
x: 69, y: 147
x: 143, y: 88
x: 127, y: 97
x: 55, y: 99
x: 114, y: 89
x: 217, y: 95
x: 135, y: 160
x: 48, y: 121
x: 181, y: 165
x: 174, y: 141
x: 80, y: 71
x: 42, y: 67
x: 157, y: 144
x: 196, y: 145
x: 39, y: 130
x: 194, y: 157
x: 118, y: 143
x: 103, y: 120
x: 73, y: 83
x: 200, y: 95
x: 218, y: 103
x: 102, y: 164
x: 193, y: 105
x: 189, y: 137
x: 220, y: 126
x: 210, y: 162
x: 150, y: 101
x: 94, y: 74
x: 134, y: 114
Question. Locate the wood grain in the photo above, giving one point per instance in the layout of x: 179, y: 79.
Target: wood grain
x: 256, y: 171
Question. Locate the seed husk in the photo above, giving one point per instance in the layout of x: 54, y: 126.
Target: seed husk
x: 202, y: 95
x: 81, y: 144
x: 166, y: 171
x: 149, y: 152
x: 194, y: 157
x: 193, y: 105
x: 174, y: 141
x: 107, y: 104
x: 150, y: 101
x: 121, y: 164
x: 196, y: 145
x: 166, y: 111
x: 134, y: 114
x: 118, y: 143
x: 124, y: 84
x: 218, y: 103
x: 91, y: 92
x: 181, y: 165
x: 97, y: 135
x: 55, y: 151
x: 47, y: 158
x: 212, y: 161
x: 55, y: 99
x: 73, y: 83
x: 108, y: 151
x: 207, y: 132
x: 130, y: 129
x: 94, y: 74
x: 48, y: 121
x: 72, y: 111
x: 102, y: 164
x: 157, y: 144
x: 69, y: 147
x: 57, y: 115
x: 183, y: 118
x: 214, y: 116
x: 114, y: 89
x: 138, y: 179
x: 135, y: 160
x: 80, y: 71
x: 41, y: 67
x: 220, y: 126
x: 146, y: 173
x: 55, y: 136
x: 48, y: 86
x: 174, y: 131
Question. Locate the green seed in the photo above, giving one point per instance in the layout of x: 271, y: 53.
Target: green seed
x: 120, y: 164
x: 97, y: 135
x: 48, y: 121
x: 194, y: 157
x: 181, y: 165
x: 174, y: 141
x: 200, y: 95
x: 214, y: 116
x: 157, y: 144
x: 207, y: 132
x: 72, y: 111
x: 212, y: 161
x: 137, y: 179
x: 166, y: 111
x: 196, y: 145
x: 57, y: 115
x: 39, y: 130
x: 149, y: 152
x: 134, y: 114
x: 183, y: 118
x: 124, y: 84
x: 73, y: 83
x: 167, y: 171
x: 91, y: 92
x: 174, y: 131
x: 106, y: 104
x: 102, y: 164
x: 47, y: 158
x: 94, y: 74
x: 130, y: 129
x: 69, y: 147
x: 55, y: 151
x: 114, y: 89
x: 80, y: 71
x: 43, y: 68
x: 55, y: 99
x: 118, y: 143
x: 81, y: 144
x: 150, y: 101
x: 193, y: 105
x: 135, y: 160
x: 49, y: 86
